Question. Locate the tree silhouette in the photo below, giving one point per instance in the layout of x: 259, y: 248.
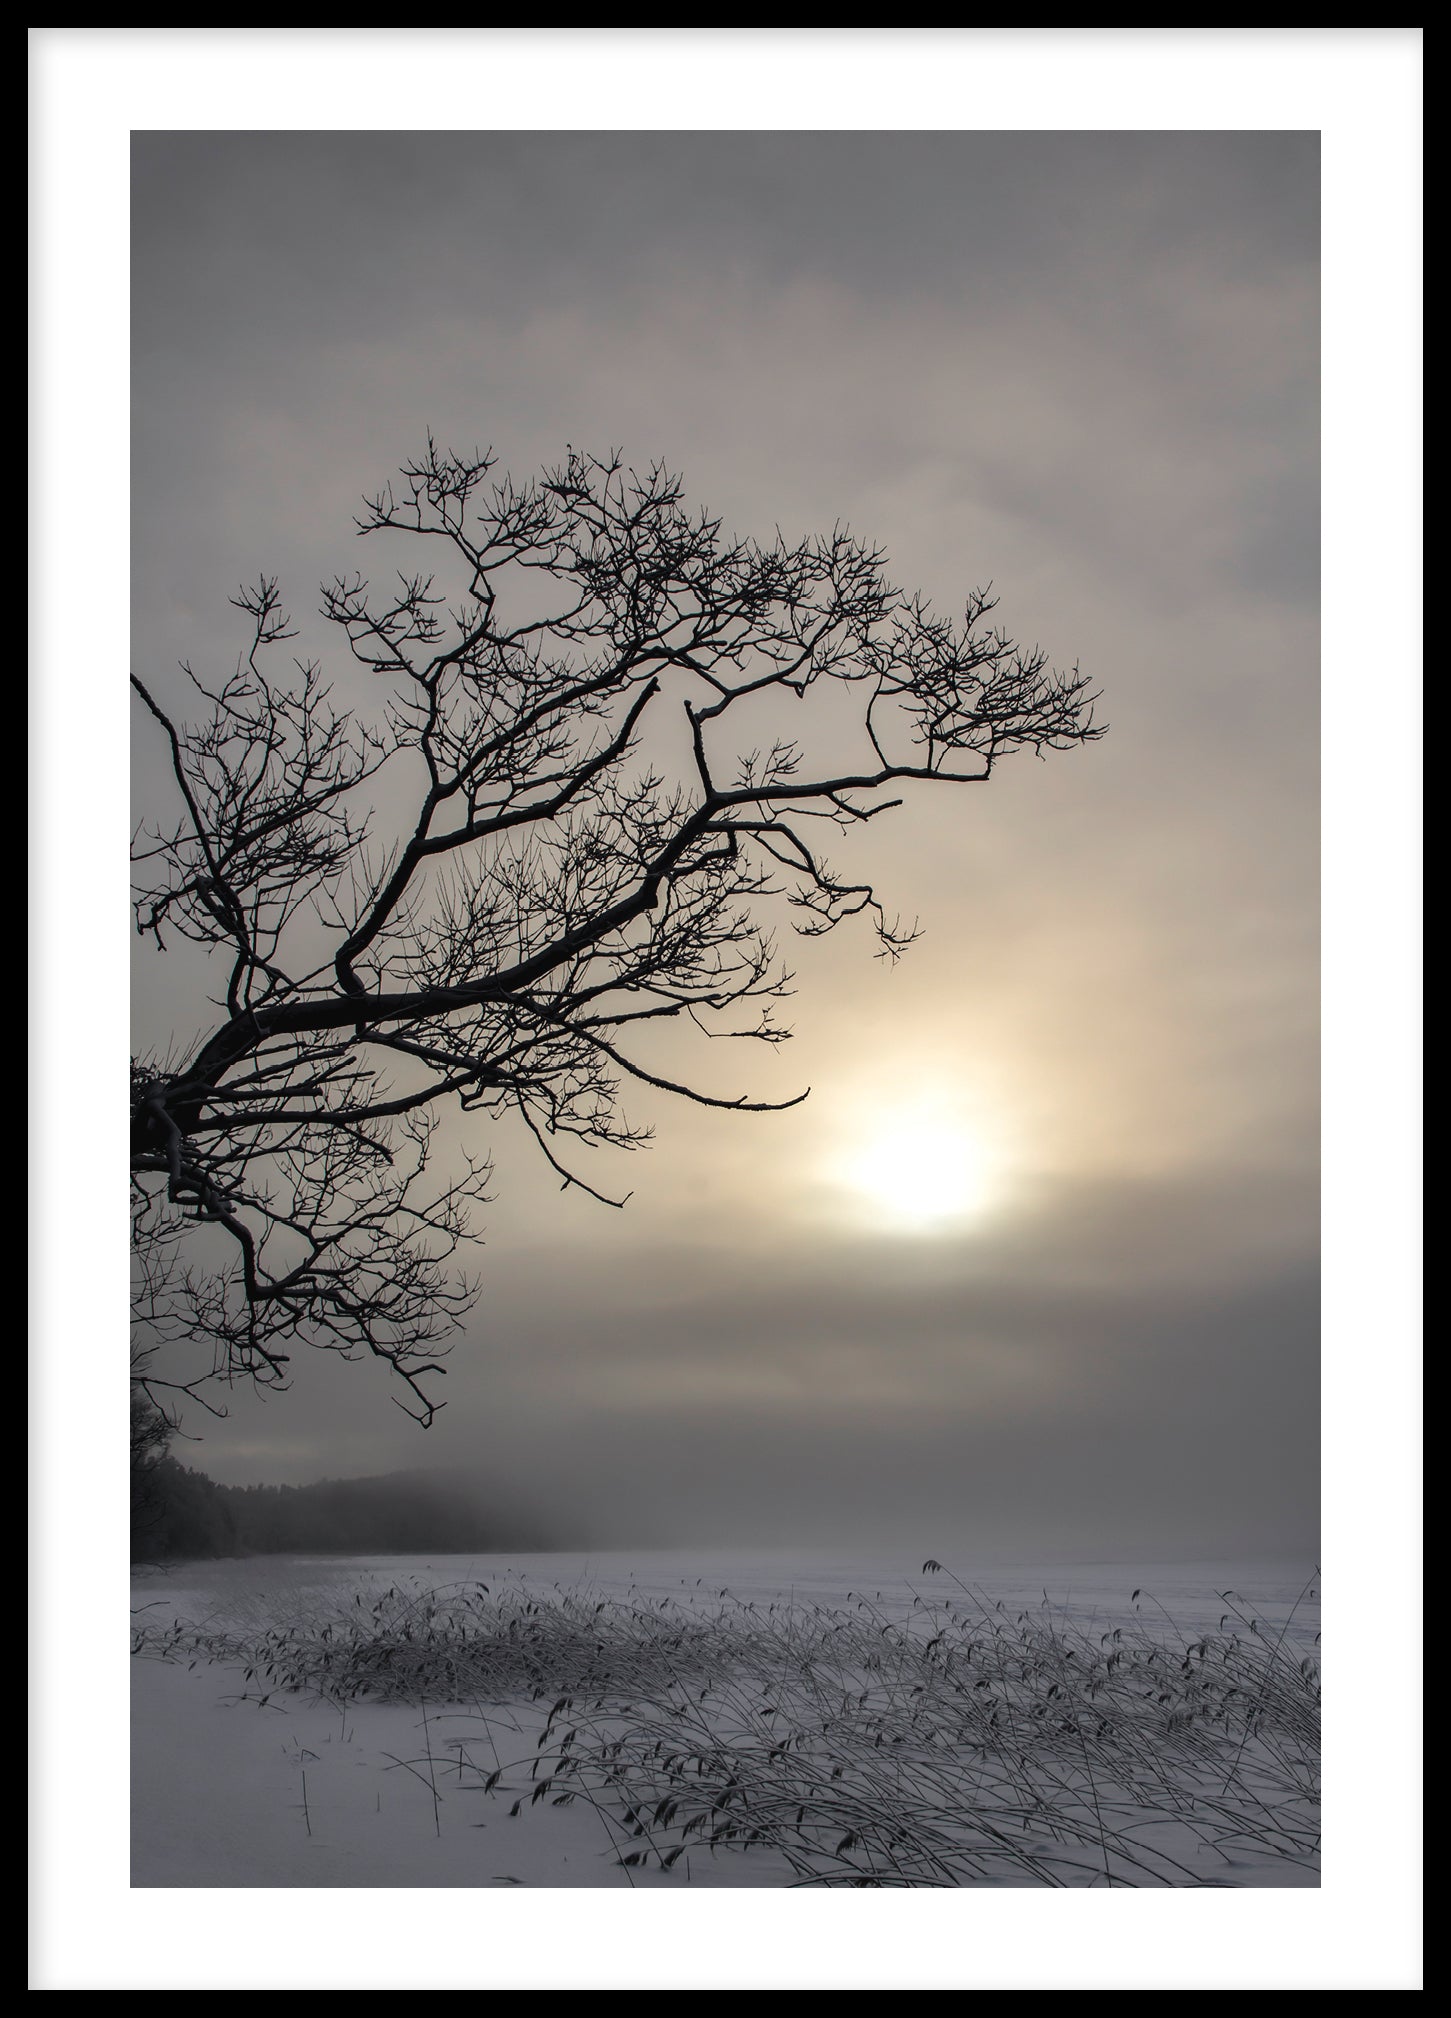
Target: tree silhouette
x: 602, y: 804
x: 151, y: 1433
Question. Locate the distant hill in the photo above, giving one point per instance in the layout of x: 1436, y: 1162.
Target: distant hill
x: 184, y: 1514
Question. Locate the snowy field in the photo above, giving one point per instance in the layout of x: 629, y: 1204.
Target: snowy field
x: 656, y: 1721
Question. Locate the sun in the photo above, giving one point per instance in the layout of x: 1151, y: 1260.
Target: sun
x: 920, y: 1173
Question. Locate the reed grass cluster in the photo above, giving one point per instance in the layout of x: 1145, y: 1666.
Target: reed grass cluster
x: 951, y: 1743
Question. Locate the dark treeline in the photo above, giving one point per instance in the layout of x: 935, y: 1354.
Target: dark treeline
x: 189, y: 1515
x: 178, y: 1514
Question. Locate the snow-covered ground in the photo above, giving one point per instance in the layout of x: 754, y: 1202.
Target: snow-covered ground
x: 239, y: 1781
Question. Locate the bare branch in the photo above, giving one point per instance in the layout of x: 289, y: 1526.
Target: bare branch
x: 546, y: 893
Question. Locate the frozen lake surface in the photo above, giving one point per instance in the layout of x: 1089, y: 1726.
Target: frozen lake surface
x: 777, y: 1718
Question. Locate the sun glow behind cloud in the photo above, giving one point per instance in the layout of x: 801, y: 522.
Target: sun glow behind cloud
x: 921, y: 1167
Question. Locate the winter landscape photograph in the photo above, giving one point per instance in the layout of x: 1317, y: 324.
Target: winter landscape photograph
x: 727, y: 1288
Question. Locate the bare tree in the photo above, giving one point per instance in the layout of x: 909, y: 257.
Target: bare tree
x: 601, y: 804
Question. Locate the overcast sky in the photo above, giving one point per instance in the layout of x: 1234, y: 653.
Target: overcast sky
x: 1081, y: 366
